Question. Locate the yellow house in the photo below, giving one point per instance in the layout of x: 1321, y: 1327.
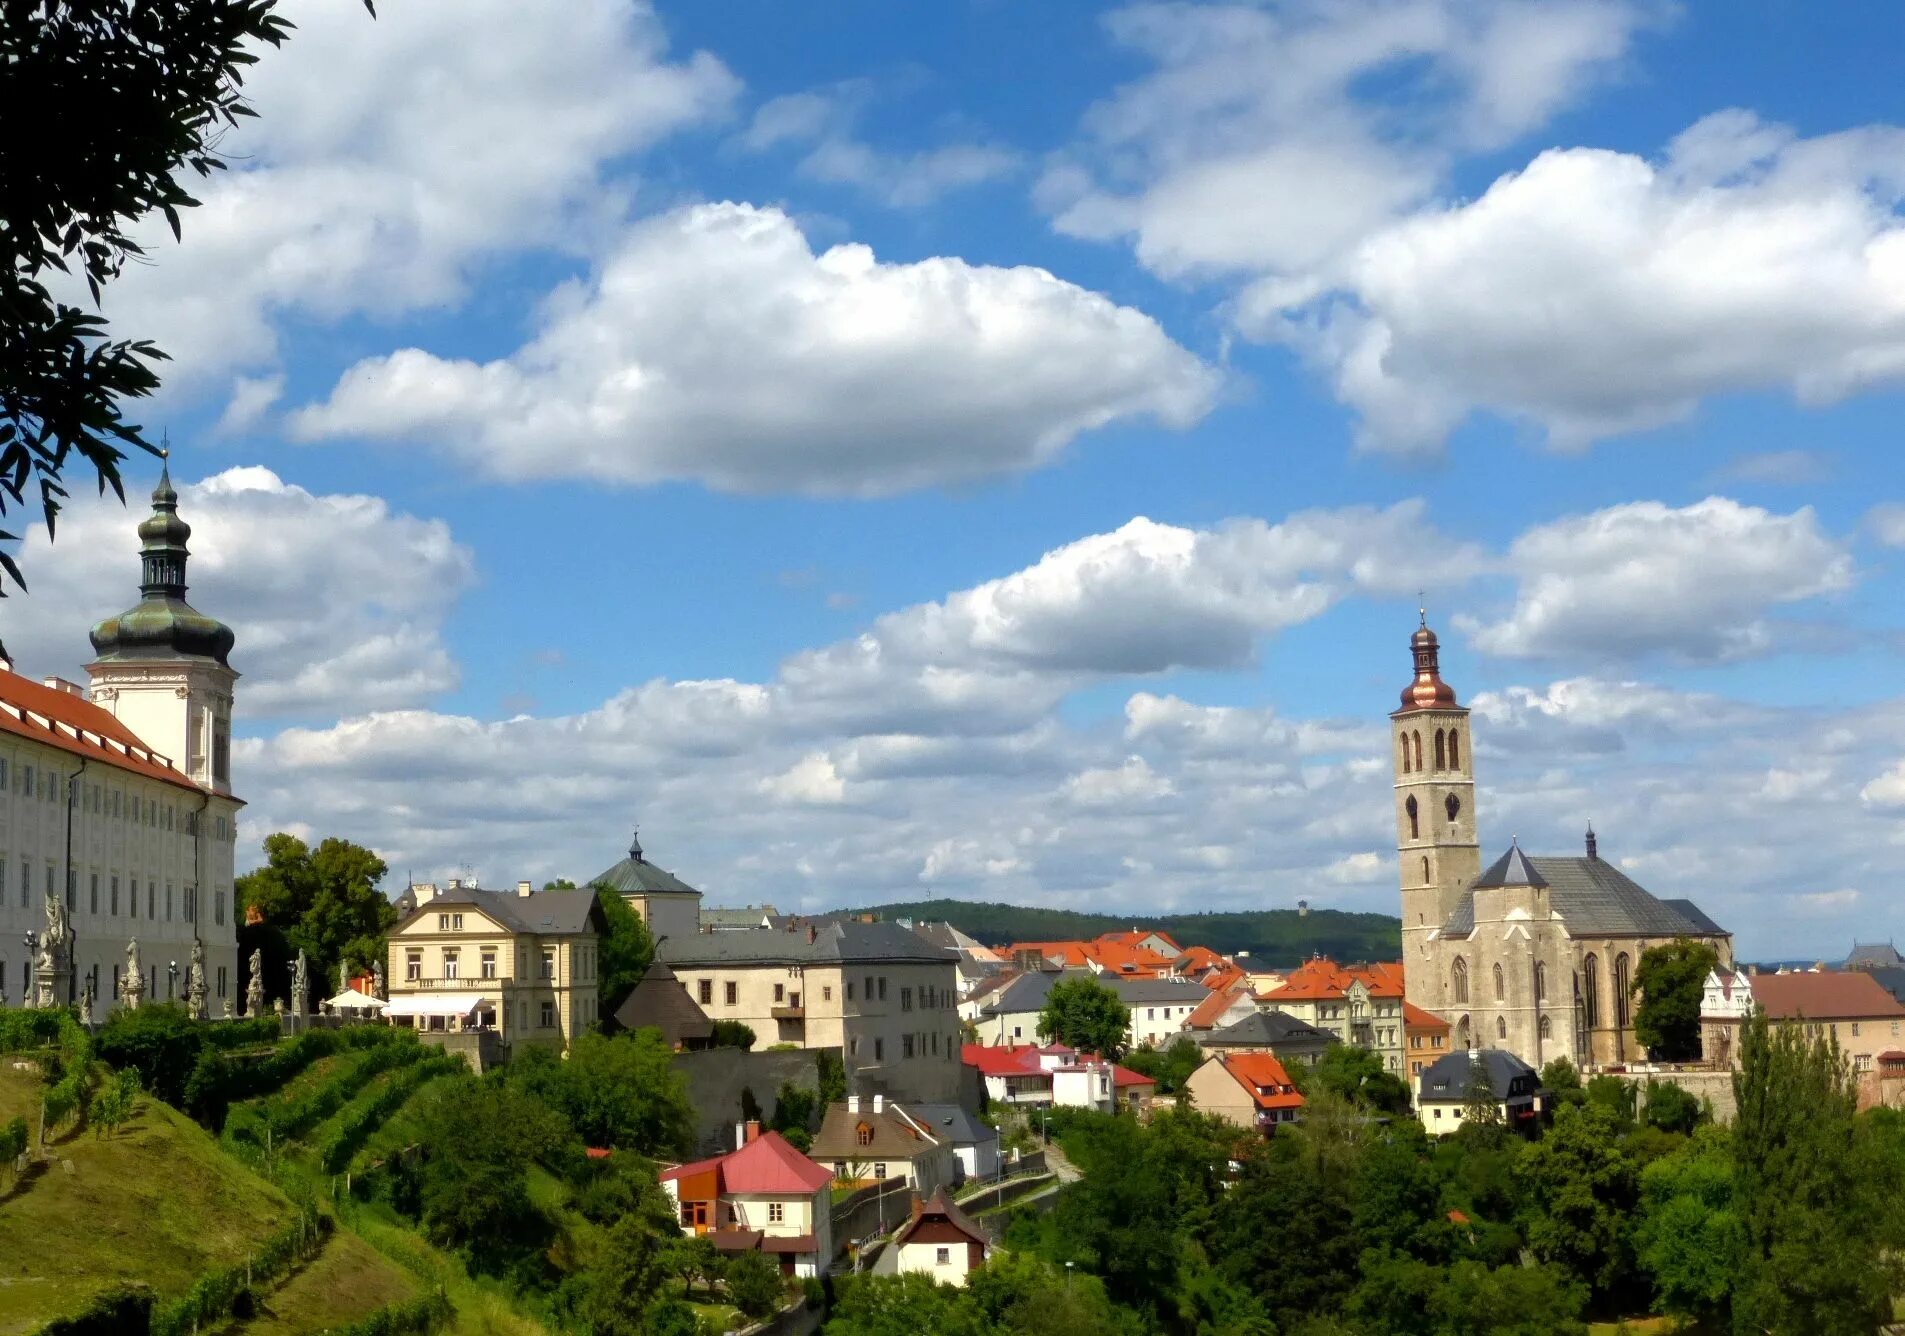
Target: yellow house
x: 520, y: 964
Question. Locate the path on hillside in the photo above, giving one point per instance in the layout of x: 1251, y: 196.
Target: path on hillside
x: 1055, y: 1161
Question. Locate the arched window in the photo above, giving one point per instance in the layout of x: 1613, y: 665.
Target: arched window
x: 1455, y: 751
x: 1591, y: 990
x: 1462, y: 1039
x: 1415, y: 825
x: 1501, y: 1027
x: 1416, y: 736
x: 1441, y: 756
x: 1452, y: 805
x: 1405, y: 753
x: 1458, y: 980
x: 1547, y: 1030
x: 1541, y: 983
x: 1620, y: 990
x: 1501, y: 989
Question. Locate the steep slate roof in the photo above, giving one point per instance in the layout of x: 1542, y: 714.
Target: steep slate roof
x: 833, y: 944
x: 1156, y: 992
x: 1027, y: 992
x: 1449, y: 1078
x: 949, y: 1122
x: 661, y: 1001
x: 767, y: 1165
x: 1265, y: 1029
x: 541, y: 913
x: 635, y: 875
x: 749, y: 916
x: 1873, y: 955
x: 1594, y: 899
x: 1511, y: 869
x: 1891, y: 980
x: 1825, y: 996
x: 896, y: 1135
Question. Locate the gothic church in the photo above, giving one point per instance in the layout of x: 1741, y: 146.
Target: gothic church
x: 1535, y: 955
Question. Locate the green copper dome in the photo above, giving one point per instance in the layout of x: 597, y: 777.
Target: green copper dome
x: 164, y: 625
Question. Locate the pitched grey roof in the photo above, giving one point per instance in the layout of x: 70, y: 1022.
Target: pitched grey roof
x: 832, y: 944
x: 1696, y: 916
x: 548, y: 913
x: 1028, y: 991
x: 1891, y: 978
x: 750, y: 916
x: 1511, y: 869
x: 1156, y: 992
x: 635, y: 875
x: 1873, y: 955
x: 660, y: 1001
x: 1265, y: 1029
x: 1594, y: 899
x: 1451, y: 1077
x: 953, y: 1123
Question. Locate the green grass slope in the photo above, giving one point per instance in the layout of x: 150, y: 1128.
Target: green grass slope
x: 158, y: 1203
x: 1271, y: 936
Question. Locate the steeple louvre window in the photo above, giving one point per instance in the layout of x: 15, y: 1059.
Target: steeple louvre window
x: 1455, y: 750
x: 1404, y: 742
x: 1441, y: 753
x: 1415, y: 824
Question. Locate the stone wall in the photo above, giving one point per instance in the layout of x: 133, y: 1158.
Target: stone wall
x: 877, y: 1208
x: 719, y: 1079
x: 1706, y: 1083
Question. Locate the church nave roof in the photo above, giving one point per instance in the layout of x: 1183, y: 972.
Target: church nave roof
x: 1593, y: 897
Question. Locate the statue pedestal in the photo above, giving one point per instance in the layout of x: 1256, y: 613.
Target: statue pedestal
x: 50, y: 985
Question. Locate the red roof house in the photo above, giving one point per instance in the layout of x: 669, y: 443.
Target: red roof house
x: 765, y: 1196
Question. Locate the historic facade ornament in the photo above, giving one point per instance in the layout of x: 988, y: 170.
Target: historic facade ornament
x: 132, y: 988
x: 255, y: 988
x: 195, y: 991
x: 300, y: 985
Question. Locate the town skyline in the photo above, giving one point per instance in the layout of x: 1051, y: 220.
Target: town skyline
x: 1124, y: 638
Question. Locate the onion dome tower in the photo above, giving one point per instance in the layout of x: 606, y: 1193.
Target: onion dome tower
x: 162, y: 666
x: 1437, y: 851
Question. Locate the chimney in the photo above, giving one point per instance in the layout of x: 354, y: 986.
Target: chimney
x: 456, y: 883
x: 1593, y: 845
x: 879, y: 1102
x: 753, y: 1131
x: 853, y: 1104
x: 70, y: 688
x: 812, y: 934
x: 524, y: 889
x: 424, y: 891
x: 740, y: 1135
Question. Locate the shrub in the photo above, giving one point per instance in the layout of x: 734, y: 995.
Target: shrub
x: 227, y: 1290
x: 161, y: 1042
x: 112, y: 1313
x: 754, y: 1284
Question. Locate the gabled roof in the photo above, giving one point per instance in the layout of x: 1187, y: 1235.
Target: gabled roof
x: 1451, y: 1077
x: 748, y: 916
x: 1263, y: 1076
x: 1027, y: 992
x: 1156, y: 992
x: 1415, y: 1018
x: 1212, y: 1009
x: 895, y: 1134
x: 1124, y: 1077
x: 1823, y: 996
x: 1003, y: 1060
x: 840, y: 942
x: 1873, y: 955
x: 78, y: 727
x: 660, y: 1001
x: 1322, y: 980
x: 1511, y: 869
x: 542, y: 913
x: 1266, y: 1029
x: 1596, y: 899
x: 1137, y: 936
x: 950, y: 1122
x: 939, y: 1209
x: 767, y: 1166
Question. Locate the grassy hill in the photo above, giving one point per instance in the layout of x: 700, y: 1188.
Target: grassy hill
x: 157, y: 1203
x: 1271, y: 936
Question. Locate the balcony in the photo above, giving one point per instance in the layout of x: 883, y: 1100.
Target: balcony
x: 461, y: 984
x: 793, y: 1011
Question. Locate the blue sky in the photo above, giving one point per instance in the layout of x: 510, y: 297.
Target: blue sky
x: 610, y: 412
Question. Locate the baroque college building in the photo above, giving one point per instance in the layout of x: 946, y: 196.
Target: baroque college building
x: 1534, y: 955
x: 117, y: 819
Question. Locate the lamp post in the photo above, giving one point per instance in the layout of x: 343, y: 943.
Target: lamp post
x: 171, y: 979
x: 28, y: 993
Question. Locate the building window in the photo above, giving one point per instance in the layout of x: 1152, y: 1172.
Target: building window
x: 1455, y: 752
x: 1546, y: 1030
x: 1501, y: 985
x: 1620, y: 990
x: 443, y: 922
x: 449, y: 964
x: 1441, y: 756
x: 942, y: 1257
x: 780, y: 993
x: 1405, y: 753
x: 906, y: 1046
x: 548, y: 1015
x: 882, y: 988
x: 776, y: 1213
x: 1458, y: 980
x: 731, y: 992
x: 152, y: 900
x: 826, y: 992
x: 549, y: 965
x: 906, y: 999
x: 489, y: 962
x: 1855, y: 1029
x: 1417, y: 737
x: 1415, y: 824
x: 879, y: 1050
x: 1591, y: 990
x: 849, y: 990
x: 221, y: 981
x: 413, y: 965
x: 1501, y: 1027
x: 706, y: 991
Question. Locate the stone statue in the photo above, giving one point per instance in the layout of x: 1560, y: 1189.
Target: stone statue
x: 53, y: 943
x: 195, y: 991
x: 133, y: 987
x: 255, y: 988
x: 300, y: 985
x: 377, y: 980
x: 89, y: 995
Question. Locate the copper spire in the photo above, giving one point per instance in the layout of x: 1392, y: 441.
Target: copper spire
x: 1428, y: 691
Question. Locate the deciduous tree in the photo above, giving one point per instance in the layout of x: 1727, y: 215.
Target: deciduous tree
x: 1670, y: 981
x: 324, y: 901
x: 1085, y: 1014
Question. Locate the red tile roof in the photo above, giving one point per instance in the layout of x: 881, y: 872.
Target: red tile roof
x: 1108, y: 953
x: 1002, y: 1060
x: 1208, y: 1012
x: 1415, y: 1018
x: 1137, y: 935
x: 1323, y: 980
x: 75, y: 725
x: 767, y: 1165
x: 1264, y: 1077
x: 1124, y: 1076
x: 1825, y: 996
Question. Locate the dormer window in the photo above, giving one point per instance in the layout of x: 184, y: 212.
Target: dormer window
x: 862, y: 1134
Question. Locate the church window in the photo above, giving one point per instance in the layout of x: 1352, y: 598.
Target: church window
x: 1455, y: 750
x: 1452, y: 805
x: 1591, y: 990
x: 1415, y: 825
x: 1425, y: 869
x: 1501, y: 1027
x: 1541, y: 983
x: 1547, y: 1030
x: 1441, y: 756
x: 1405, y: 753
x: 1620, y: 990
x: 1458, y: 980
x: 1501, y: 988
x: 1417, y: 737
x: 1462, y: 1033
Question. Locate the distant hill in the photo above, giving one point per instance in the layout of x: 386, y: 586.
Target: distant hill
x: 1272, y: 936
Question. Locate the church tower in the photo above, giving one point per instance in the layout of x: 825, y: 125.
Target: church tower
x: 1435, y: 812
x: 161, y: 667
